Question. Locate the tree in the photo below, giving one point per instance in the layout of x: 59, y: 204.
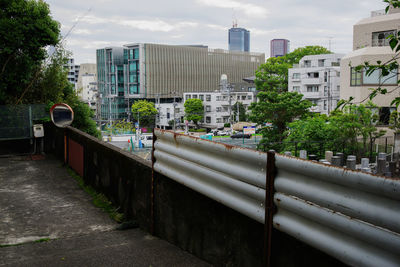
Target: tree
x: 26, y: 28
x: 144, y: 112
x: 278, y: 109
x: 273, y: 74
x: 194, y: 110
x: 242, y: 111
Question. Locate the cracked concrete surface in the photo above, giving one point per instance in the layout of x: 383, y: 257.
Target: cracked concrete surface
x: 39, y: 200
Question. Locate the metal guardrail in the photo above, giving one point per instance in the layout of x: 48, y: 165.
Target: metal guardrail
x: 233, y: 176
x: 352, y: 216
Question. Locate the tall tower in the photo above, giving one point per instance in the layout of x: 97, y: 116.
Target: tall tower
x: 239, y: 39
x: 279, y: 47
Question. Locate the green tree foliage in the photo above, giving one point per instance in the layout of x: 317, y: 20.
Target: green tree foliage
x: 194, y: 110
x: 273, y: 74
x: 394, y: 121
x: 82, y: 113
x: 120, y: 127
x: 144, y: 112
x: 338, y: 132
x: 26, y: 28
x: 242, y: 111
x: 278, y: 109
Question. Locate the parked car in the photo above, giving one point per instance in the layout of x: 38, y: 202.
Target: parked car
x: 241, y: 135
x: 221, y: 133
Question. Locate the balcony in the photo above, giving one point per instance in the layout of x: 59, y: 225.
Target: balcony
x: 312, y: 81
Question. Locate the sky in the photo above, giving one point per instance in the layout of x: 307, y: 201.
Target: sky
x: 93, y: 24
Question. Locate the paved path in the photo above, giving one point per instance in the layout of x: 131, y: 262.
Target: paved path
x: 39, y: 200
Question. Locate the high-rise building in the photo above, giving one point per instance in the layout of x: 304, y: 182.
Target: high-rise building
x: 73, y: 71
x: 239, y: 39
x: 279, y: 47
x: 317, y: 78
x: 370, y: 45
x: 161, y: 73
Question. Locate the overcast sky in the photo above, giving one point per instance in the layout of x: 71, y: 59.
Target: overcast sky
x: 101, y: 23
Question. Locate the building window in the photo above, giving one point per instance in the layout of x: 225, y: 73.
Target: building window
x: 219, y: 109
x: 380, y: 38
x: 208, y: 108
x: 208, y: 119
x: 208, y: 97
x: 187, y: 97
x: 133, y: 66
x: 133, y: 89
x: 321, y: 62
x: 296, y: 89
x: 313, y: 75
x: 296, y: 75
x: 177, y: 110
x: 338, y: 88
x: 325, y: 105
x: 218, y: 98
x: 194, y: 96
x: 325, y: 76
x: 243, y: 97
x: 201, y: 97
x: 325, y: 90
x: 312, y: 88
x: 219, y: 120
x: 249, y: 97
x: 355, y: 77
x: 307, y: 63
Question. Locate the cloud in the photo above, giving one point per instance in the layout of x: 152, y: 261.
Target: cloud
x: 247, y: 8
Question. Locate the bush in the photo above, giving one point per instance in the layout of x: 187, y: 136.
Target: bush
x: 197, y: 130
x: 227, y: 125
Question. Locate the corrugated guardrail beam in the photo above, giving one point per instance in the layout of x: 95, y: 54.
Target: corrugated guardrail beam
x: 352, y: 216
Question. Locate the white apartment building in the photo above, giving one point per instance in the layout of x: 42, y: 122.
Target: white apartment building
x: 86, y: 85
x: 317, y: 77
x: 73, y: 71
x: 216, y: 105
x: 167, y: 112
x: 370, y: 45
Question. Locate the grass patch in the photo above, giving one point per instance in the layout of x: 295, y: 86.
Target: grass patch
x: 41, y: 240
x: 99, y: 199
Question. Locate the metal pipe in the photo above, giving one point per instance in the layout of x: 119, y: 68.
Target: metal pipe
x: 373, y: 209
x: 241, y: 170
x: 369, y: 233
x: 341, y: 246
x: 199, y: 172
x: 358, y: 180
x: 220, y: 194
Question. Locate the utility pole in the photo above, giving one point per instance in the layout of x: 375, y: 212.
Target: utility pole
x: 237, y: 111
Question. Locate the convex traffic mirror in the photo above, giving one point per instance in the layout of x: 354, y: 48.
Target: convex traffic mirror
x: 61, y: 115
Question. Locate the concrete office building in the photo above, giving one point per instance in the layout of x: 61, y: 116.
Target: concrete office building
x: 279, y: 47
x: 164, y: 72
x: 239, y: 39
x: 216, y: 105
x: 317, y: 77
x: 370, y: 45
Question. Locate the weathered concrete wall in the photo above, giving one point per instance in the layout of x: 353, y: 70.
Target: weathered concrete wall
x: 195, y: 223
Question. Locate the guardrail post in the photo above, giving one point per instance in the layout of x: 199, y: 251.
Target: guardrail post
x: 269, y: 206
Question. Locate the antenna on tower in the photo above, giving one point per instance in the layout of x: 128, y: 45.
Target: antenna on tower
x: 329, y: 42
x: 234, y: 19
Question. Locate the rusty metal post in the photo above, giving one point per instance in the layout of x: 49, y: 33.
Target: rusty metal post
x: 152, y: 193
x: 269, y: 206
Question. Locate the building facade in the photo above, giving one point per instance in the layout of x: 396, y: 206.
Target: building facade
x: 216, y: 106
x: 73, y: 71
x: 279, y: 47
x: 370, y: 45
x: 239, y: 39
x: 317, y: 78
x: 153, y: 71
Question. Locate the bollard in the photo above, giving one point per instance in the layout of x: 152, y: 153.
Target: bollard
x: 312, y: 157
x: 336, y: 160
x: 381, y: 166
x: 351, y: 164
x: 364, y: 163
x: 392, y: 167
x: 328, y: 155
x: 341, y: 155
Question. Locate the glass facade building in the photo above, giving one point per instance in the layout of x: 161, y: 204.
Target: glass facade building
x: 279, y: 47
x: 165, y: 72
x: 239, y: 39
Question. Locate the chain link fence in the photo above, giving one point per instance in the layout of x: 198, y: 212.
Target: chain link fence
x: 16, y: 121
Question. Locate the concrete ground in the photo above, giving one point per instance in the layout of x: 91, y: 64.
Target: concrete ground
x: 39, y: 201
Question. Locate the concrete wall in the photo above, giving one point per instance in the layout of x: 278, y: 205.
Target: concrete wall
x: 189, y: 220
